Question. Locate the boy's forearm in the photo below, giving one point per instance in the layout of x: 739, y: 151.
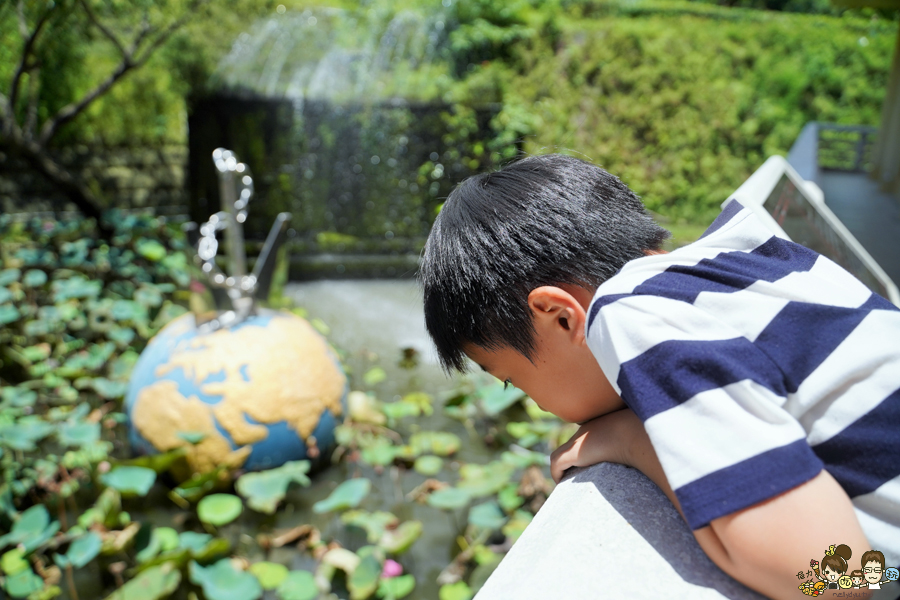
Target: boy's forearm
x: 765, y: 545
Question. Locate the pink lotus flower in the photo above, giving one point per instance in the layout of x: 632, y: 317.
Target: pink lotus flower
x: 391, y: 569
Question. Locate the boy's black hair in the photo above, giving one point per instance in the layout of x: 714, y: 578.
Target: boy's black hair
x: 542, y: 220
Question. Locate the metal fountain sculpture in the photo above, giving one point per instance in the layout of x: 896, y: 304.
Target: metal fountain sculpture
x: 241, y: 288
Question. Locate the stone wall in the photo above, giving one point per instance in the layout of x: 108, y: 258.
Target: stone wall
x: 124, y: 177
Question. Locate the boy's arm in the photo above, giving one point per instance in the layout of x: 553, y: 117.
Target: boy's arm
x: 763, y: 546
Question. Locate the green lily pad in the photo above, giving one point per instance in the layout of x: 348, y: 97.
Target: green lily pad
x: 81, y: 551
x: 75, y: 287
x: 19, y: 396
x: 428, y: 465
x: 266, y: 489
x: 399, y: 410
x: 8, y: 314
x: 222, y: 581
x: 487, y: 515
x: 399, y: 540
x: 24, y: 434
x: 23, y: 584
x: 455, y: 591
x: 374, y: 376
x: 32, y: 529
x: 162, y: 539
x: 441, y: 443
x: 8, y: 276
x: 449, y: 498
x: 298, y: 585
x: 121, y: 335
x: 379, y: 455
x: 347, y: 495
x: 509, y: 499
x: 523, y: 459
x: 34, y: 278
x: 484, y: 480
x: 193, y: 541
x: 130, y: 480
x: 375, y: 523
x: 155, y: 583
x: 495, y: 399
x: 219, y: 509
x: 78, y: 434
x: 151, y: 250
x: 517, y: 524
x: 270, y: 575
x: 395, y: 588
x: 13, y: 561
x: 363, y: 582
x: 109, y: 390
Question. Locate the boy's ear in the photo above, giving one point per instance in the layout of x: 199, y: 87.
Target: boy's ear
x: 557, y: 311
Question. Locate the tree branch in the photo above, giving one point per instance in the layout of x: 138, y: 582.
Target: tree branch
x: 27, y: 48
x: 69, y: 112
x: 103, y: 28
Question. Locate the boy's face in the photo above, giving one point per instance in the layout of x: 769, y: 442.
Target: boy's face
x: 856, y: 579
x: 563, y: 377
x: 872, y: 571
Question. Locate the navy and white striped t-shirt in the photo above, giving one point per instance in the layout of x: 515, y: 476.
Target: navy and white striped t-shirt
x: 755, y: 362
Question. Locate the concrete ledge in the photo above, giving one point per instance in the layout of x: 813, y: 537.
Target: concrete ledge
x: 608, y: 532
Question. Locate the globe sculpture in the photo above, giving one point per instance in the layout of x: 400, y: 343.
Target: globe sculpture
x: 242, y: 388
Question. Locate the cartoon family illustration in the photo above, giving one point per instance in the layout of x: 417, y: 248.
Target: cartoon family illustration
x: 832, y: 573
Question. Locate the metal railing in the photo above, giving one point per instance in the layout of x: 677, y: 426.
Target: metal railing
x: 845, y: 147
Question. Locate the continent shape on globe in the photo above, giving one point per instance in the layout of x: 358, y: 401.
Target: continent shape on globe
x: 260, y: 392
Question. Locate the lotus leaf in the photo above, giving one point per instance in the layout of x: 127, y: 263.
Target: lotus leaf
x: 363, y: 582
x: 19, y: 396
x: 266, y: 489
x: 374, y: 376
x: 270, y: 575
x: 517, y: 524
x: 151, y: 250
x: 455, y: 591
x: 13, y: 561
x: 162, y: 539
x: 23, y: 584
x: 24, y: 433
x: 219, y: 509
x: 362, y: 408
x: 104, y: 511
x: 34, y: 278
x: 76, y: 287
x: 399, y: 540
x: 484, y: 480
x: 32, y: 529
x: 487, y: 515
x: 148, y: 295
x: 347, y: 495
x: 109, y: 389
x: 193, y: 541
x: 509, y: 498
x: 298, y: 585
x: 441, y: 443
x: 37, y: 352
x: 78, y: 434
x: 130, y: 480
x: 9, y: 314
x: 524, y: 458
x: 121, y: 335
x: 428, y: 465
x: 449, y: 498
x: 380, y: 455
x: 158, y: 462
x: 395, y: 588
x: 399, y: 410
x: 8, y: 276
x: 81, y: 551
x: 155, y: 583
x: 128, y: 310
x: 342, y: 559
x: 375, y: 523
x: 495, y: 399
x: 5, y: 295
x: 199, y: 485
x: 420, y: 399
x: 222, y: 581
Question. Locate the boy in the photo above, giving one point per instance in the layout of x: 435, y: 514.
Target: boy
x: 730, y: 371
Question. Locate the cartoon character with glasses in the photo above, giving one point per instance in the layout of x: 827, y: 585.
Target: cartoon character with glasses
x: 872, y: 567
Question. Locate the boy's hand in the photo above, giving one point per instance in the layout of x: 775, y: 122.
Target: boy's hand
x: 604, y: 439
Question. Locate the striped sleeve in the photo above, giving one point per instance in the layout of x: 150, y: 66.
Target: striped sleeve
x: 711, y: 402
